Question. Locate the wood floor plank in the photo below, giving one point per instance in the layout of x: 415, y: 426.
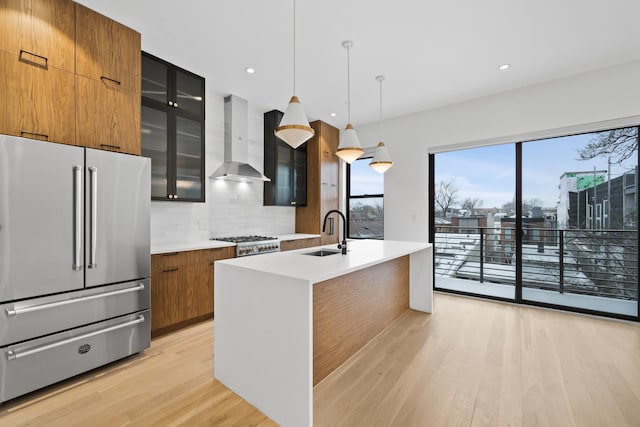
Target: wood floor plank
x: 471, y: 363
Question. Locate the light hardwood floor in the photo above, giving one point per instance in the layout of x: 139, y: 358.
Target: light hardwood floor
x: 471, y: 363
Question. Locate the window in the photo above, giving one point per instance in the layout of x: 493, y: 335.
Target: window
x: 564, y: 213
x: 365, y: 203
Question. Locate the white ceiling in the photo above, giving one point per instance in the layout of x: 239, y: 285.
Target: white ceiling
x: 432, y: 52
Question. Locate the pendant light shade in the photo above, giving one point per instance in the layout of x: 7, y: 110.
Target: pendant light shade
x: 381, y: 161
x: 349, y: 148
x: 294, y: 127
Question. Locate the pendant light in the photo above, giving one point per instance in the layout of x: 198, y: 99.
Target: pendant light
x: 294, y: 127
x: 349, y: 148
x: 381, y: 161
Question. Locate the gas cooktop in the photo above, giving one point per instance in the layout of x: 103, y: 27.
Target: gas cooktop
x: 244, y: 239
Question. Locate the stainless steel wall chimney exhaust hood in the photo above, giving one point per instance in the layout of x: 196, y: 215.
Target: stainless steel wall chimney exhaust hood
x: 236, y: 165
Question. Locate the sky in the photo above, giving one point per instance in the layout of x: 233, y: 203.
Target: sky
x: 365, y: 180
x: 488, y: 173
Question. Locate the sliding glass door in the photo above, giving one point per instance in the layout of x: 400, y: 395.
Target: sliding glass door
x: 580, y: 234
x: 474, y: 233
x: 549, y: 222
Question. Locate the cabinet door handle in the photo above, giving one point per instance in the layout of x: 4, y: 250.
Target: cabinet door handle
x: 170, y: 254
x: 34, y: 135
x: 112, y: 147
x: 107, y: 79
x: 169, y: 270
x: 37, y: 60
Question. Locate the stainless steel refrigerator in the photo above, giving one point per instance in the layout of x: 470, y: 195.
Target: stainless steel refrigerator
x: 74, y: 261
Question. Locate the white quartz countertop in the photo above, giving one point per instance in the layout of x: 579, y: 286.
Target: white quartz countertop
x: 192, y: 245
x: 296, y: 264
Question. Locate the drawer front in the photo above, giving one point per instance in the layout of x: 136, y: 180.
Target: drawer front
x: 36, y: 317
x: 35, y: 364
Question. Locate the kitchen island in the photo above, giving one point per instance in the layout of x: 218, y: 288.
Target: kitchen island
x: 284, y: 321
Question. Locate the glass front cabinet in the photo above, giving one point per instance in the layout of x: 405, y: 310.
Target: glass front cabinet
x: 173, y: 130
x: 287, y: 167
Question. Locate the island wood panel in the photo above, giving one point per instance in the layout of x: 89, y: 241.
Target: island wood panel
x: 289, y: 245
x: 39, y: 31
x: 350, y: 310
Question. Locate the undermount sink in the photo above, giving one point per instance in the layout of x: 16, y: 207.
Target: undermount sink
x: 323, y: 252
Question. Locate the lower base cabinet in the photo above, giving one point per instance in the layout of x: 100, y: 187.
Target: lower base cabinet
x: 289, y: 245
x: 182, y: 287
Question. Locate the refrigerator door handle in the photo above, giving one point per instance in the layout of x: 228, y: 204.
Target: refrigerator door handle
x: 93, y: 176
x: 77, y: 217
x: 13, y: 355
x: 12, y: 311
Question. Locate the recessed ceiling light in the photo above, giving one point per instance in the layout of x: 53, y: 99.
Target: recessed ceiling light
x: 250, y: 70
x: 332, y: 114
x: 504, y: 67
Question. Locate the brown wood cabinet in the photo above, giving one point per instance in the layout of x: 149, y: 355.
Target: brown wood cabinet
x: 322, y: 182
x: 289, y: 245
x: 45, y: 46
x: 41, y: 32
x: 182, y: 287
x: 36, y: 102
x: 37, y: 61
x: 107, y: 117
x: 108, y: 68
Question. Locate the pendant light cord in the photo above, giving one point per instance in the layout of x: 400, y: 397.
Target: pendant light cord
x: 294, y: 47
x: 348, y: 87
x: 380, y: 109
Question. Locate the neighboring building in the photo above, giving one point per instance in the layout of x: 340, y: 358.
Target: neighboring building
x: 570, y: 183
x: 534, y: 231
x: 609, y: 205
x: 469, y: 224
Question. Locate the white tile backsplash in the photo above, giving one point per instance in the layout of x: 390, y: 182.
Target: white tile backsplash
x: 231, y: 208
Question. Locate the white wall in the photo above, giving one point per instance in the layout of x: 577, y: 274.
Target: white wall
x: 231, y: 208
x: 585, y: 102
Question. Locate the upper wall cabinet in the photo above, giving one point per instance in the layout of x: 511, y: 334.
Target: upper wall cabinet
x: 69, y: 75
x: 287, y: 167
x: 37, y: 61
x: 108, y: 83
x: 41, y: 32
x: 173, y: 119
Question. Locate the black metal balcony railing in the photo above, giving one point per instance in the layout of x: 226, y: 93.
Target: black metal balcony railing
x: 589, y: 262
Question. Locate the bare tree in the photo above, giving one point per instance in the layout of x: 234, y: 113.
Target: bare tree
x: 471, y: 203
x: 534, y: 202
x: 445, y: 196
x: 620, y: 144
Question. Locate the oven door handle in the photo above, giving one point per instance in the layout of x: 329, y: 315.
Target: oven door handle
x: 12, y: 311
x: 12, y: 355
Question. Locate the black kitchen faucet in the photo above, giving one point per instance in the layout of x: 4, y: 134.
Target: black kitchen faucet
x: 343, y: 244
